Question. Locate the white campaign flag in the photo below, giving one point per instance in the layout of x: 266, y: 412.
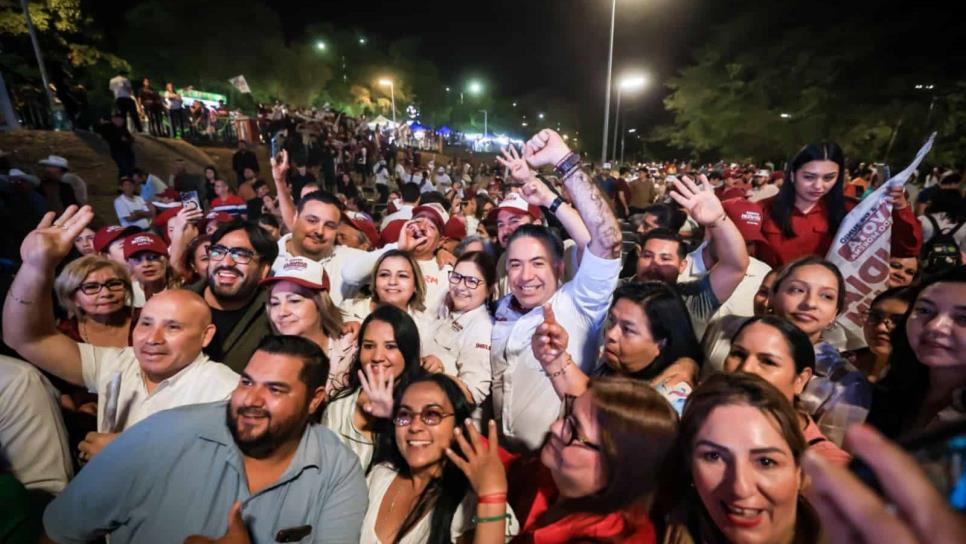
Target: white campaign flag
x: 240, y: 84
x: 862, y: 244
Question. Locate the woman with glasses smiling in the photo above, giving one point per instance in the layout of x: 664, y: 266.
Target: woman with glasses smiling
x: 417, y: 492
x: 460, y: 336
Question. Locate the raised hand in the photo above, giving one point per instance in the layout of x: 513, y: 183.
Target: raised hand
x: 279, y: 167
x: 549, y: 342
x: 547, y: 148
x: 511, y: 159
x: 432, y: 364
x: 700, y: 201
x: 378, y: 387
x: 480, y: 462
x: 897, y: 197
x: 237, y: 532
x: 412, y: 235
x: 53, y: 238
x: 536, y: 193
x: 182, y: 224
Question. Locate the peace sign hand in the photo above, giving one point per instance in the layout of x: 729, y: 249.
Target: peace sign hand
x: 53, y: 238
x: 700, y: 201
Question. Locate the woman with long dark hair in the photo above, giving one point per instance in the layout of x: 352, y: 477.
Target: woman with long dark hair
x: 387, y: 357
x: 926, y: 383
x: 803, y: 217
x: 416, y: 493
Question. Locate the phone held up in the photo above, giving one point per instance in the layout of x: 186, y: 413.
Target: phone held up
x: 942, y: 455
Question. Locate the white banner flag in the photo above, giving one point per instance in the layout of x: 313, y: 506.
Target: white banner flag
x: 240, y: 84
x: 862, y: 244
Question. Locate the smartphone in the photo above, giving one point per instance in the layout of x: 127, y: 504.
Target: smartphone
x: 882, y: 171
x: 942, y: 455
x: 190, y: 200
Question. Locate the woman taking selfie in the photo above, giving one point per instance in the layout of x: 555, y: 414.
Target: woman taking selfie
x: 416, y: 493
x: 781, y: 354
x: 926, y: 383
x: 387, y: 357
x: 803, y: 217
x: 299, y: 305
x: 739, y: 479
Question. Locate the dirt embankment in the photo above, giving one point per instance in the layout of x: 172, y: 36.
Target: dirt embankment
x: 89, y: 157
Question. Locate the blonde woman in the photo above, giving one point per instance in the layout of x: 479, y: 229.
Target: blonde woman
x: 97, y: 295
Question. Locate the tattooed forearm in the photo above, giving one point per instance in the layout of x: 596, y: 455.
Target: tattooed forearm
x: 605, y: 233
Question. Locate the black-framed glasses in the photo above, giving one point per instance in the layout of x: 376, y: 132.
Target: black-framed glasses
x: 238, y: 254
x: 429, y: 416
x: 570, y: 432
x: 455, y: 278
x: 93, y: 287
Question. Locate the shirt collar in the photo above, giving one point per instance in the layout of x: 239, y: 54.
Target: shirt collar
x: 179, y: 376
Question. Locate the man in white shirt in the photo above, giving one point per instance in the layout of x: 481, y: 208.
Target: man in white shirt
x: 442, y: 180
x: 120, y: 85
x: 524, y: 399
x: 163, y: 369
x: 131, y: 209
x: 409, y: 193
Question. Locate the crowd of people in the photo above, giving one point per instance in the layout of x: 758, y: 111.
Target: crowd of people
x: 378, y: 348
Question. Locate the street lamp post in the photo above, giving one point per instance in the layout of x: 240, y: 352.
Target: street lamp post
x: 628, y: 83
x: 610, y: 64
x: 629, y: 131
x: 392, y: 93
x: 484, y: 122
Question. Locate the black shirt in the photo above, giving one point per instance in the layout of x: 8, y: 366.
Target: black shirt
x: 225, y: 322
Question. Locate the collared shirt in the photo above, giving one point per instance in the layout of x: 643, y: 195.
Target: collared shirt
x: 838, y: 395
x: 461, y: 340
x: 114, y: 373
x: 571, y: 263
x: 179, y: 472
x: 338, y: 416
x: 523, y: 397
x: 342, y: 285
x: 33, y: 439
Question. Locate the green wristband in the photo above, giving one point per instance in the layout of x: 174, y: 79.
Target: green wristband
x: 491, y: 519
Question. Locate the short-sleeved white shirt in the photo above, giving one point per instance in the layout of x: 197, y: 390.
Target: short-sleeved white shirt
x: 461, y: 340
x: 203, y: 380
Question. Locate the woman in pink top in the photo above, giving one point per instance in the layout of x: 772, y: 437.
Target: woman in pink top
x: 782, y: 354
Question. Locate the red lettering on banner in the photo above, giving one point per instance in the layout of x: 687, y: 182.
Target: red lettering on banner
x: 872, y: 273
x: 430, y: 279
x: 872, y: 228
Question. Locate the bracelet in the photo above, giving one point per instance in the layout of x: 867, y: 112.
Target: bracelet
x: 563, y: 369
x: 491, y: 519
x: 567, y: 165
x: 20, y: 300
x: 491, y: 498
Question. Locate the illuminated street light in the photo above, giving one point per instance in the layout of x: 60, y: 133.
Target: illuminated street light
x: 785, y: 115
x: 540, y: 115
x: 523, y: 124
x: 362, y: 41
x: 514, y: 104
x: 447, y: 89
x: 320, y: 45
x: 631, y: 130
x: 475, y: 87
x: 626, y: 83
x: 392, y: 92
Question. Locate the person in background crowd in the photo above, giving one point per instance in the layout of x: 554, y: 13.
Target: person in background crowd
x: 645, y: 334
x: 431, y: 498
x: 109, y: 242
x: 810, y: 293
x: 97, y: 296
x: 241, y: 254
x: 271, y: 226
x: 299, y: 305
x: 885, y: 312
x: 164, y: 368
x: 642, y: 193
x: 739, y: 479
x: 252, y: 457
x: 387, y: 358
x: 120, y: 141
x: 524, y: 400
x: 174, y: 102
x: 226, y: 201
x: 57, y: 168
x: 120, y: 85
x: 926, y: 382
x: 460, y: 336
x: 153, y: 107
x: 131, y: 209
x: 782, y: 355
x: 357, y: 231
x: 242, y: 159
x: 210, y: 175
x: 902, y: 271
x: 84, y: 243
x: 147, y: 259
x: 804, y: 216
x: 246, y: 187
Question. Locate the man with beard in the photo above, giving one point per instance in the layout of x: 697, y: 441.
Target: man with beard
x: 662, y: 253
x: 164, y: 368
x: 254, y: 466
x: 241, y: 254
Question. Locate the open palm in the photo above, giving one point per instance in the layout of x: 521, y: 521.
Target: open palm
x: 700, y: 201
x: 53, y: 238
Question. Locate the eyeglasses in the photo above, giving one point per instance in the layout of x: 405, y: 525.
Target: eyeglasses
x: 430, y: 416
x: 569, y: 433
x: 455, y: 278
x: 876, y: 318
x: 238, y: 254
x: 93, y: 287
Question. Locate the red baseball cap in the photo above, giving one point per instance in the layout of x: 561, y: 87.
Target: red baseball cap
x: 105, y: 236
x: 747, y: 216
x: 145, y: 241
x: 516, y: 205
x: 434, y: 212
x: 162, y: 218
x: 455, y: 228
x: 362, y: 224
x: 219, y: 217
x: 390, y: 234
x: 300, y: 271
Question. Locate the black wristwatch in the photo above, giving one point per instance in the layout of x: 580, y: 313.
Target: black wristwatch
x: 555, y: 204
x: 567, y: 164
